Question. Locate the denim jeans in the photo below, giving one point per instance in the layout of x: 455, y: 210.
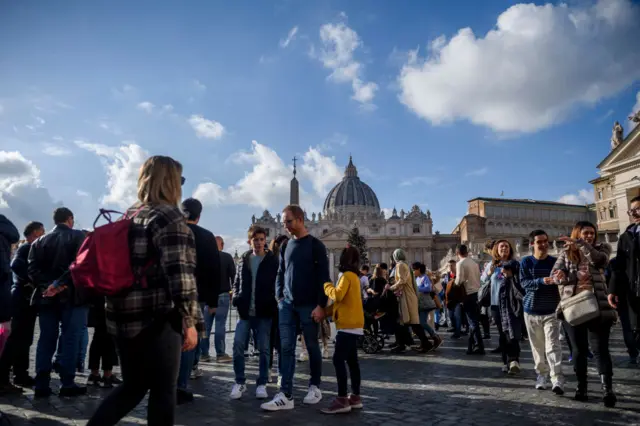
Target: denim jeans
x: 261, y: 328
x: 424, y: 322
x: 472, y: 310
x: 82, y: 353
x: 455, y: 316
x: 220, y: 318
x: 186, y: 365
x: 74, y: 321
x: 290, y: 316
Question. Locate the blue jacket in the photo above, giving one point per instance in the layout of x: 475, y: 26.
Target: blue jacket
x: 9, y: 235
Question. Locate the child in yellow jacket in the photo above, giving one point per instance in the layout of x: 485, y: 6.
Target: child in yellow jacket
x: 348, y: 315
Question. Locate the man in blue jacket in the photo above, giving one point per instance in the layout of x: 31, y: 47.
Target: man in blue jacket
x: 16, y: 351
x: 255, y: 299
x: 303, y: 270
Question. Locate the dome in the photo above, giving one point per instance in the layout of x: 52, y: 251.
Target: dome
x: 351, y: 195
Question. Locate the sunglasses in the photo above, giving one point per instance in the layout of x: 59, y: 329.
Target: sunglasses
x: 182, y: 180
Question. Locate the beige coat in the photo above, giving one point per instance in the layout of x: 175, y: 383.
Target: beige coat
x: 408, y: 300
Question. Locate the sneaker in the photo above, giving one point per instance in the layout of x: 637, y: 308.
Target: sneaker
x: 279, y: 402
x: 279, y: 382
x: 338, y: 406
x: 325, y: 353
x: 557, y: 387
x: 73, y: 391
x: 205, y: 358
x: 505, y: 369
x: 304, y: 356
x: 111, y: 381
x: 355, y: 401
x: 313, y: 396
x: 541, y: 382
x: 514, y: 367
x: 237, y: 391
x: 183, y: 396
x: 224, y: 358
x: 437, y: 342
x: 261, y: 392
x: 196, y: 373
x: 94, y: 379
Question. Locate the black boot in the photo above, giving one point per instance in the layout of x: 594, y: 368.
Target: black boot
x: 581, y: 391
x: 608, y: 397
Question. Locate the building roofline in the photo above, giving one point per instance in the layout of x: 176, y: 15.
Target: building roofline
x: 527, y: 201
x: 632, y: 134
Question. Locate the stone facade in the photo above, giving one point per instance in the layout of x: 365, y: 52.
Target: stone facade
x: 618, y: 183
x: 352, y: 203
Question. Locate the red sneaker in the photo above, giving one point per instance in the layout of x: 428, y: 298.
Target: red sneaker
x: 338, y: 406
x: 355, y: 402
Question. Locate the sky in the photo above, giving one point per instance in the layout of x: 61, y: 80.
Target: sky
x: 437, y: 102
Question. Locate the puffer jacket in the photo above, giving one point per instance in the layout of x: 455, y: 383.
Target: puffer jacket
x: 598, y: 258
x: 9, y: 235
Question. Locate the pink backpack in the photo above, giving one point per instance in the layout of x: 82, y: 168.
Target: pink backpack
x: 103, y: 264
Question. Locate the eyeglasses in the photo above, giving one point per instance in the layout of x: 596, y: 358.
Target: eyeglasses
x: 182, y: 180
x: 631, y: 212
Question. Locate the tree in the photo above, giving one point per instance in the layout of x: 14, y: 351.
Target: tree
x: 358, y: 241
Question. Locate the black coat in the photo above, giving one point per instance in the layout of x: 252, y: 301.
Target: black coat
x: 625, y: 276
x: 8, y: 235
x: 265, y: 293
x: 207, y: 266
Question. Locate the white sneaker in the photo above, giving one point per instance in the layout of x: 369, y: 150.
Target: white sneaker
x: 261, y: 392
x: 313, y: 396
x: 514, y: 367
x: 325, y: 353
x: 279, y: 382
x: 237, y: 391
x: 505, y: 369
x: 558, y: 387
x: 541, y: 382
x: 279, y: 402
x: 196, y: 373
x: 304, y: 356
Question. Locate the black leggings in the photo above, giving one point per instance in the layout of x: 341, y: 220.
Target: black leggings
x: 403, y: 335
x: 346, y: 354
x: 150, y: 363
x: 598, y: 333
x: 510, y: 347
x: 102, y: 348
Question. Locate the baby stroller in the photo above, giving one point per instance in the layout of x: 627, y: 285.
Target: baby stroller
x: 373, y: 340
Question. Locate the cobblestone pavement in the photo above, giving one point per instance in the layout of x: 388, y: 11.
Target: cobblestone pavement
x: 442, y: 388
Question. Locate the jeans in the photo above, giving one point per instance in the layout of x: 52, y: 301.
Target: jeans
x: 598, y: 332
x: 544, y: 338
x: 261, y: 328
x: 290, y: 317
x: 220, y: 318
x: 346, y: 352
x: 472, y: 310
x: 149, y: 362
x: 103, y: 348
x: 187, y: 360
x: 424, y: 321
x: 16, y: 350
x: 510, y: 348
x: 74, y: 321
x: 624, y: 313
x: 455, y: 316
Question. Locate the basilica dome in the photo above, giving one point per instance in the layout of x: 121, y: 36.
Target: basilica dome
x: 351, y: 195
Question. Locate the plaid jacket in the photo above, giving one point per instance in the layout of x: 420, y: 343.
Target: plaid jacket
x: 160, y: 235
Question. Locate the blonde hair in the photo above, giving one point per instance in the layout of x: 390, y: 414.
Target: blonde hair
x: 573, y: 253
x: 160, y: 181
x: 496, y: 256
x: 378, y: 272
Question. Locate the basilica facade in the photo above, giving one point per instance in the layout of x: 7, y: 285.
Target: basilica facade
x: 352, y: 203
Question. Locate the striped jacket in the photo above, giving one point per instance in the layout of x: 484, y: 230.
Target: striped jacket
x: 159, y: 234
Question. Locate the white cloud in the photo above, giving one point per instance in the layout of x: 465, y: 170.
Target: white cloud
x: 477, y: 172
x: 528, y: 73
x: 22, y: 196
x: 290, y: 37
x: 419, y: 180
x: 123, y: 92
x: 122, y: 165
x: 322, y: 171
x: 58, y: 138
x: 206, y: 129
x: 634, y: 110
x: 167, y: 108
x: 339, y: 43
x: 584, y: 196
x: 55, y: 150
x: 146, y: 106
x: 209, y: 194
x: 81, y: 193
x: 233, y: 244
x: 387, y: 212
x: 199, y: 86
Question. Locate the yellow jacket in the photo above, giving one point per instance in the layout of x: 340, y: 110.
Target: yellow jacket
x: 347, y: 298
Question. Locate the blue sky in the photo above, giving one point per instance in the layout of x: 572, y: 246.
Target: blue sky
x: 438, y: 102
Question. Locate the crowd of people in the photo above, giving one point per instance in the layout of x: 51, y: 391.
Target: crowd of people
x: 158, y: 329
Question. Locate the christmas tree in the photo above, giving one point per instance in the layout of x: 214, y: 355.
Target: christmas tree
x: 358, y: 241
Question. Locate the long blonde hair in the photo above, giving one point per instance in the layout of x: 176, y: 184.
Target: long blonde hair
x: 160, y: 181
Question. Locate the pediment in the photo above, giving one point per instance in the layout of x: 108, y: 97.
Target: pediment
x: 335, y: 234
x: 627, y: 151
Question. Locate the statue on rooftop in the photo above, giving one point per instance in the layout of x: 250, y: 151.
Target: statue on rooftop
x: 617, y: 135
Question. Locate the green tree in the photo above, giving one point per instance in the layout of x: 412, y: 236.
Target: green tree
x: 358, y: 241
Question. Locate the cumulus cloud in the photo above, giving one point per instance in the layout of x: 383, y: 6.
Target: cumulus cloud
x: 55, y: 150
x: 209, y: 194
x: 584, y: 196
x: 199, y: 86
x: 146, y: 106
x: 22, y: 196
x: 206, y: 129
x: 419, y: 180
x: 477, y: 172
x: 387, y: 212
x: 284, y: 43
x: 322, y: 171
x: 122, y: 165
x: 528, y: 73
x: 339, y: 42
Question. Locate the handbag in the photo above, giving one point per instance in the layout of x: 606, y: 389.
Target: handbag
x: 580, y: 308
x: 425, y: 302
x: 484, y: 296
